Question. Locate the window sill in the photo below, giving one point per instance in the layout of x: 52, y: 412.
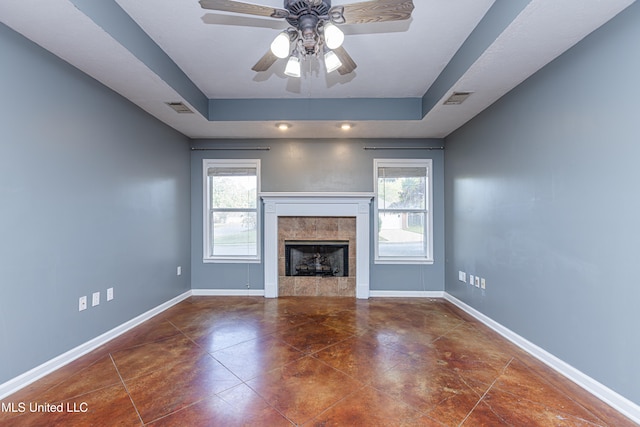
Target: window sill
x: 403, y: 261
x: 231, y: 261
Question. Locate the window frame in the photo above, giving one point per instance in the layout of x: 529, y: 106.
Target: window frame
x: 428, y: 212
x: 207, y: 247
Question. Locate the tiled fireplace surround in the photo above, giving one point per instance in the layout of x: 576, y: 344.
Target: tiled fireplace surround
x: 316, y: 228
x: 317, y: 216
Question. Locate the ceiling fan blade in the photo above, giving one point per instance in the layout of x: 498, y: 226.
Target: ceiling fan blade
x: 375, y: 11
x: 265, y: 62
x: 246, y: 8
x: 348, y: 65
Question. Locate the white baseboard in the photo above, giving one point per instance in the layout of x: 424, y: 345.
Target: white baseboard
x: 228, y: 292
x: 373, y: 294
x: 602, y: 392
x: 406, y: 294
x: 58, y: 362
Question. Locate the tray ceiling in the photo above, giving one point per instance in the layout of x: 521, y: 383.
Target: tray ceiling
x: 158, y: 51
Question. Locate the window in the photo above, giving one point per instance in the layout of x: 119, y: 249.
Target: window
x: 231, y: 214
x: 403, y: 211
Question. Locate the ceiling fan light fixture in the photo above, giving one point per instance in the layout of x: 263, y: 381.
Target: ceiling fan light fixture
x: 333, y: 36
x: 281, y: 44
x: 314, y: 26
x: 293, y: 67
x: 331, y: 61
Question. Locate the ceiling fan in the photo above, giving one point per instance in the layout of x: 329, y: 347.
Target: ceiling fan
x: 313, y: 30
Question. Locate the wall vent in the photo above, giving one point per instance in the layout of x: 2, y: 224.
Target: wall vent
x: 457, y: 98
x: 179, y: 108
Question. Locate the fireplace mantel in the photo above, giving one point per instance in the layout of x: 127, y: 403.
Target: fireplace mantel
x: 322, y: 205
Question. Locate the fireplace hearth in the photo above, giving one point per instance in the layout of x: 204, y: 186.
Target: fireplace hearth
x: 317, y: 258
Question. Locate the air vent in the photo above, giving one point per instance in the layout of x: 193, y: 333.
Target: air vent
x: 179, y: 108
x: 457, y: 98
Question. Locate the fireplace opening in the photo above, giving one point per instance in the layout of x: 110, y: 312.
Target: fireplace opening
x: 317, y: 258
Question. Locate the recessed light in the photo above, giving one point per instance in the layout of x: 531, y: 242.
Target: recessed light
x: 283, y: 126
x: 346, y: 126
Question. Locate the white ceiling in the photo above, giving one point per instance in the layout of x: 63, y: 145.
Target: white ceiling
x: 216, y: 50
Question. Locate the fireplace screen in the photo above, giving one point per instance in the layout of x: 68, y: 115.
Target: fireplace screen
x: 317, y: 258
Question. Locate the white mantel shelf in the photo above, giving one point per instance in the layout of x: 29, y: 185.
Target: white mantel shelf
x: 322, y: 205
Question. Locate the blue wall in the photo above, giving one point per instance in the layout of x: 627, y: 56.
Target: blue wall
x: 318, y: 166
x: 542, y: 200
x: 94, y: 194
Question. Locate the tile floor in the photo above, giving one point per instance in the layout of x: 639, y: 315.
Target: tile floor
x: 235, y: 361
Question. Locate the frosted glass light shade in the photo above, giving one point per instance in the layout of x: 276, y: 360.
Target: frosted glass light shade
x: 293, y: 67
x: 280, y: 45
x: 331, y: 61
x: 333, y: 36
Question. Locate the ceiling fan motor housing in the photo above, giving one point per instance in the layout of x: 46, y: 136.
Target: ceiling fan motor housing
x: 305, y: 15
x: 298, y: 8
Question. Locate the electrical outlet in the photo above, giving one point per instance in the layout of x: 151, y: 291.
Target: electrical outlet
x: 477, y: 281
x: 471, y: 281
x: 109, y: 294
x: 483, y: 283
x: 82, y: 303
x: 462, y: 276
x: 95, y: 300
x: 179, y: 271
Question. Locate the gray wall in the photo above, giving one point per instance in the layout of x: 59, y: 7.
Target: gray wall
x: 542, y: 200
x: 323, y: 166
x: 94, y: 193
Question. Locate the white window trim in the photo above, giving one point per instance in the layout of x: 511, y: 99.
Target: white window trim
x: 206, y: 206
x: 428, y: 163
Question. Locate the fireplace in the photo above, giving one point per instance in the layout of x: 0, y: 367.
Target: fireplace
x: 314, y: 216
x: 316, y: 256
x: 324, y: 258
